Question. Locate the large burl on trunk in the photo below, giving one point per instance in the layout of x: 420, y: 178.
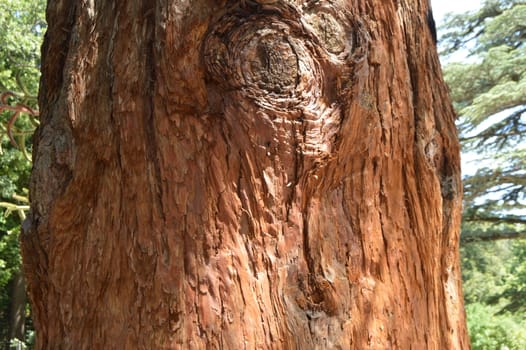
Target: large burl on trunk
x: 244, y: 175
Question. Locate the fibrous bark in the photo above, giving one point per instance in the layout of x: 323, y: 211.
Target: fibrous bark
x: 244, y: 174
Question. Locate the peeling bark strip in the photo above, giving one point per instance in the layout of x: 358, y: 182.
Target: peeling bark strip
x: 244, y: 174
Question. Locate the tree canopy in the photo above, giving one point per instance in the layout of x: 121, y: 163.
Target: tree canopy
x: 488, y: 88
x: 489, y: 92
x: 21, y: 30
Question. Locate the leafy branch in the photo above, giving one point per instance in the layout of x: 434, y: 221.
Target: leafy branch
x: 10, y: 103
x: 495, y: 236
x: 20, y: 209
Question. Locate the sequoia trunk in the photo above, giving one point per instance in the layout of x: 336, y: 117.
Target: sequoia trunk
x: 244, y: 174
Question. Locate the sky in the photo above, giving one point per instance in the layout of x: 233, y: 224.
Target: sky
x: 441, y: 7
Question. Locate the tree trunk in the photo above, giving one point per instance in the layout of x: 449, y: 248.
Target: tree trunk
x: 244, y: 174
x: 17, y: 308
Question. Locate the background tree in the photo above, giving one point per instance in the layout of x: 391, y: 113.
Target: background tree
x: 494, y: 283
x: 244, y: 174
x: 21, y: 31
x: 489, y: 93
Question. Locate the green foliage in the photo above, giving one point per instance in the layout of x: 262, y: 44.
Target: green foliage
x: 492, y: 230
x: 494, y: 275
x: 490, y: 331
x: 9, y: 264
x: 488, y: 89
x: 484, y: 269
x: 21, y: 30
x: 494, y: 272
x: 513, y: 294
x: 489, y: 93
x: 14, y: 176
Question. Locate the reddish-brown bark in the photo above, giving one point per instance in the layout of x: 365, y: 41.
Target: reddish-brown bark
x: 234, y: 175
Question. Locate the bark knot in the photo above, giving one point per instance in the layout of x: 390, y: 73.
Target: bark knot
x: 263, y: 58
x: 282, y: 56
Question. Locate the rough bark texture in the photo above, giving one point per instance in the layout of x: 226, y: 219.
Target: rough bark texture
x: 242, y: 175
